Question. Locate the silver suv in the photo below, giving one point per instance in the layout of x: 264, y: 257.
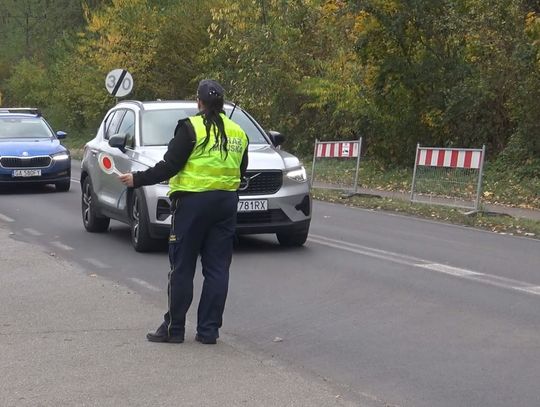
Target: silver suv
x: 274, y: 195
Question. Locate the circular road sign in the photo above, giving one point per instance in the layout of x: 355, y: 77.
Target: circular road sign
x: 119, y: 82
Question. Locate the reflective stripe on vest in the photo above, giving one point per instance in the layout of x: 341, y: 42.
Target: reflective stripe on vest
x: 209, y: 168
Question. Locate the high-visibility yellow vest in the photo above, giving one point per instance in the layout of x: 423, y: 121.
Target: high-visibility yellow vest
x: 209, y: 168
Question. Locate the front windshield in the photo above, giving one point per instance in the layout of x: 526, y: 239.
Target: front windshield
x: 23, y: 127
x: 158, y: 125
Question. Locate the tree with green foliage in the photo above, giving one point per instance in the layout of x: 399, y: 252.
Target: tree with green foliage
x: 29, y: 27
x: 141, y: 36
x: 396, y: 72
x: 263, y: 52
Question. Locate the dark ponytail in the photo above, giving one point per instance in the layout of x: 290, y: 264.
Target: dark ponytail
x: 214, y: 124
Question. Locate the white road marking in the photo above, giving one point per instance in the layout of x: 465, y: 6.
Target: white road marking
x: 367, y: 251
x: 453, y: 271
x: 97, y: 263
x: 33, y: 232
x: 6, y: 218
x: 501, y: 281
x: 531, y: 290
x: 493, y: 280
x: 75, y: 180
x: 145, y: 284
x: 62, y: 246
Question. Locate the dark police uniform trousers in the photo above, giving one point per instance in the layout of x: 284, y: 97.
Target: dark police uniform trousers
x: 205, y: 223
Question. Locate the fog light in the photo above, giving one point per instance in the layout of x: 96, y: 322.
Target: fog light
x: 304, y: 206
x: 163, y: 209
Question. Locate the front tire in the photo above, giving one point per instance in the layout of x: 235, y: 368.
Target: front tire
x: 92, y: 222
x: 139, y: 224
x: 63, y: 186
x: 293, y: 239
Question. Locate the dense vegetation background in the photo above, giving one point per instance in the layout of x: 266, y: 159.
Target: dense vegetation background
x: 398, y: 72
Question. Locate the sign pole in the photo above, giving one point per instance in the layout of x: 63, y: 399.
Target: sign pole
x: 355, y: 189
x: 480, y: 174
x: 414, y: 172
x: 313, y: 164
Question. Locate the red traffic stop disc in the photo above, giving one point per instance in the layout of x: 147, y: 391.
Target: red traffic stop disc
x: 107, y: 163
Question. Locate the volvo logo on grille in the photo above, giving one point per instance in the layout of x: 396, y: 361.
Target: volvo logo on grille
x: 244, y: 182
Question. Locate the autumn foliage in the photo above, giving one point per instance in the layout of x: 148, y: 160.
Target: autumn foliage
x: 398, y: 72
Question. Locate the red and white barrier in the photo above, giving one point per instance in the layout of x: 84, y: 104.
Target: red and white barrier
x: 337, y: 149
x: 454, y: 184
x: 449, y: 157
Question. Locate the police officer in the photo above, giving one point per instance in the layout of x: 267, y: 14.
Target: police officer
x: 204, y: 163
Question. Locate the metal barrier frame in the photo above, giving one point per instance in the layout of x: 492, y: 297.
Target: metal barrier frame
x: 317, y: 143
x: 476, y: 201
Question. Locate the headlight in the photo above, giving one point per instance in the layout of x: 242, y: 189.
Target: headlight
x: 60, y: 156
x: 298, y: 175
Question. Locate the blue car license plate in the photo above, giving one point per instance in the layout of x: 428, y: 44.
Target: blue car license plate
x: 26, y: 173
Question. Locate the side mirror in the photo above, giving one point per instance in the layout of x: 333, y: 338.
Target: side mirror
x: 118, y: 141
x: 276, y: 137
x: 60, y: 135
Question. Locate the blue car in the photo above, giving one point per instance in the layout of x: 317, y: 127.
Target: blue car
x: 30, y: 151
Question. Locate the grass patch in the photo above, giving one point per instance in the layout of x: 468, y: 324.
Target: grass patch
x: 499, y: 187
x: 499, y: 224
x: 372, y: 175
x: 508, y: 186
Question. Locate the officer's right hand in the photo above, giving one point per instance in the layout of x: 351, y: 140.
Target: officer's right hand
x: 127, y: 179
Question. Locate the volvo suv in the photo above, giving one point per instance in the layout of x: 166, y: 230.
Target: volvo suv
x: 274, y: 196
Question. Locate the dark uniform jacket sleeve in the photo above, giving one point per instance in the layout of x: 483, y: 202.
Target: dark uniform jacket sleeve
x: 176, y: 157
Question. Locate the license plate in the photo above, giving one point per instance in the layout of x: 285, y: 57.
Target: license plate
x: 254, y: 205
x: 26, y: 173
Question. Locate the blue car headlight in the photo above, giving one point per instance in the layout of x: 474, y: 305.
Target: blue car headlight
x: 61, y: 156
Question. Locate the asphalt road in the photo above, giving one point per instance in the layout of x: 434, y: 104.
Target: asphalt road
x: 396, y: 310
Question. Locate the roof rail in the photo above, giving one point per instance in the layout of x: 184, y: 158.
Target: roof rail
x: 30, y: 110
x: 137, y: 102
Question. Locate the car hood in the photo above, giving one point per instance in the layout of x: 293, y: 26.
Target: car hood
x: 17, y: 147
x: 265, y: 157
x: 261, y: 157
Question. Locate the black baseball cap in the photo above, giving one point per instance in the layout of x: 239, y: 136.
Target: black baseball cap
x: 209, y: 90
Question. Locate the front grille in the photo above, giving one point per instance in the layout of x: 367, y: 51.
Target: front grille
x: 271, y: 216
x: 24, y: 162
x: 262, y: 182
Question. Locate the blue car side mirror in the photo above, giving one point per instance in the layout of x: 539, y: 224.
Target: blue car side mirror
x: 61, y: 135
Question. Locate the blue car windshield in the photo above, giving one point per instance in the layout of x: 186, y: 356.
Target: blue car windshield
x: 23, y: 127
x: 158, y: 125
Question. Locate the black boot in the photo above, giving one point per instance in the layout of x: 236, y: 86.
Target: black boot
x: 204, y: 340
x: 162, y: 335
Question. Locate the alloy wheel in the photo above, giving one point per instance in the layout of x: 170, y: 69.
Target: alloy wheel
x: 135, y: 219
x: 87, y: 203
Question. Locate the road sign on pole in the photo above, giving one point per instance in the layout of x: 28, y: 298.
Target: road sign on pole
x: 119, y: 82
